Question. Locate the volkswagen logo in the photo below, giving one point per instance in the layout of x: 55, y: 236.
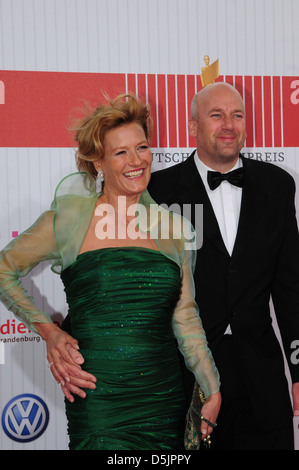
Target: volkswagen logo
x: 25, y: 418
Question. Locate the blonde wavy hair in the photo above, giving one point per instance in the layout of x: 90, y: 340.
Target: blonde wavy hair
x: 90, y: 132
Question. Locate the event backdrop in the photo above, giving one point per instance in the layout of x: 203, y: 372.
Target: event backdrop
x: 58, y: 55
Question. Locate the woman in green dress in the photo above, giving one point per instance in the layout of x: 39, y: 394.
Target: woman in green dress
x: 127, y: 269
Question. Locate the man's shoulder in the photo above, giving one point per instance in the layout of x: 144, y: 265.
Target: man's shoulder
x: 166, y: 174
x: 163, y: 185
x: 268, y: 172
x: 174, y: 171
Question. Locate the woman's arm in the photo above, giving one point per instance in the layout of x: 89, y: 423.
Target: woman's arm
x: 17, y: 259
x: 192, y: 342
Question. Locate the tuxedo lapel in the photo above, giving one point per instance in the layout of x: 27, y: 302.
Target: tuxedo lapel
x: 192, y: 191
x: 251, y: 204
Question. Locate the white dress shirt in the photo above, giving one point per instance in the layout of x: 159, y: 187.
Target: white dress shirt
x: 226, y: 203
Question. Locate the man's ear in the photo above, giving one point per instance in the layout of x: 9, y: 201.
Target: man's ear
x: 192, y: 127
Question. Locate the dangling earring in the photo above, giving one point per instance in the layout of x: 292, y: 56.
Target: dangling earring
x: 99, y: 181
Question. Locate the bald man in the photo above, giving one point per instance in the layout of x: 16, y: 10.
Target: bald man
x: 250, y: 253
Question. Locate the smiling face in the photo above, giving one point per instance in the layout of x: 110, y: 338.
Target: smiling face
x: 219, y: 126
x: 127, y: 161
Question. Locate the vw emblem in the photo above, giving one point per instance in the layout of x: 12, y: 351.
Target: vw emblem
x: 25, y: 418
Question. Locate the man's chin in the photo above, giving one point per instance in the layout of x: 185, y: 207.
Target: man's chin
x: 229, y: 157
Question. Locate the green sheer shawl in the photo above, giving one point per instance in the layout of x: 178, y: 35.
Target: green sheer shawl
x: 57, y: 236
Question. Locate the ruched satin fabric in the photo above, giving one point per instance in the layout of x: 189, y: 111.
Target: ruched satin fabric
x: 121, y: 302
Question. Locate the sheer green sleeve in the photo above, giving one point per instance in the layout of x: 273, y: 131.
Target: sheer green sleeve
x: 74, y: 202
x: 56, y: 236
x: 17, y: 259
x: 188, y: 330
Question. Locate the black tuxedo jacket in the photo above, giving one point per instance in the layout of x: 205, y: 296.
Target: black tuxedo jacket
x: 236, y: 289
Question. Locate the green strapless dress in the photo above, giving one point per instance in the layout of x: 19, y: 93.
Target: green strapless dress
x: 121, y: 302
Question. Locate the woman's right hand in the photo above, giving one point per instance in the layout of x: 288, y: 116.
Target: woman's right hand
x: 65, y: 360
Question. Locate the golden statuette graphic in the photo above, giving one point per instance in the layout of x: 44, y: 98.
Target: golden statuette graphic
x: 209, y: 73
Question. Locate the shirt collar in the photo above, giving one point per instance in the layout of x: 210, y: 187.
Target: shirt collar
x: 203, y: 169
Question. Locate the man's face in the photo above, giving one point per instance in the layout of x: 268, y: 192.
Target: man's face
x: 220, y: 129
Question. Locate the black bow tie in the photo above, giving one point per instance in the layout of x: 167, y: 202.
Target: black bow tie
x: 235, y: 177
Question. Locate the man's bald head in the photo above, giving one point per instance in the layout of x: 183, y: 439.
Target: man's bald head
x: 206, y: 92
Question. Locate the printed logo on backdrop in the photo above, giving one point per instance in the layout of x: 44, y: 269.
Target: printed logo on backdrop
x: 37, y: 107
x: 25, y: 418
x: 13, y: 331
